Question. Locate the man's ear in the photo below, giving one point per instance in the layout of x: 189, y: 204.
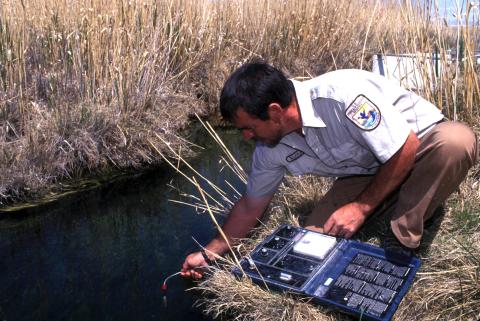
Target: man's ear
x: 275, y: 112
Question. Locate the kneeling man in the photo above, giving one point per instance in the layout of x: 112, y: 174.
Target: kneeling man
x: 379, y: 140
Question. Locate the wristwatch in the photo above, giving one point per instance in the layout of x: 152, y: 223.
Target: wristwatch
x: 205, y: 257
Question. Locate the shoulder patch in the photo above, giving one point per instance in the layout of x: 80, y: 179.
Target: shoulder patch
x: 364, y: 113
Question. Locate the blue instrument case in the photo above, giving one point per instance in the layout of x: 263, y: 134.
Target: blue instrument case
x: 348, y: 275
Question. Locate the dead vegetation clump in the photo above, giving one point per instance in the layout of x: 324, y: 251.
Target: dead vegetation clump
x: 242, y: 300
x: 76, y: 145
x: 84, y: 85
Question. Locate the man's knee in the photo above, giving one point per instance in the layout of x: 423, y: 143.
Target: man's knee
x: 455, y: 143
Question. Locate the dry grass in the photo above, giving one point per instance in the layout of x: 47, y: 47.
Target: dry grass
x: 84, y: 85
x: 242, y: 300
x: 91, y: 86
x: 447, y: 287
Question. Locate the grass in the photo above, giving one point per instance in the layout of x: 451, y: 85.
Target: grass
x: 85, y: 85
x: 447, y: 287
x: 91, y: 87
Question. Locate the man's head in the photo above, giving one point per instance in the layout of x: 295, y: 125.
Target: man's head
x: 253, y: 99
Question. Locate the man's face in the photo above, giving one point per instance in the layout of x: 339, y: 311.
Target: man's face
x: 266, y: 131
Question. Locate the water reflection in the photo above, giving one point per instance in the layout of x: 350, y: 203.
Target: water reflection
x: 103, y: 254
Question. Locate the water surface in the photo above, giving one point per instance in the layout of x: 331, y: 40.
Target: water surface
x: 103, y: 254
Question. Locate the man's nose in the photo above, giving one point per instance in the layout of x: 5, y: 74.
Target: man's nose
x: 247, y: 134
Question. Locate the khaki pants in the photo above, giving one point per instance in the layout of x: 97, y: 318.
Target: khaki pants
x: 443, y: 159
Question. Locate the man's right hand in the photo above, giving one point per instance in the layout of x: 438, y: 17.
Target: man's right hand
x: 194, y: 266
x: 243, y: 216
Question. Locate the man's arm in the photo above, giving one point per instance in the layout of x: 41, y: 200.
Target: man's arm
x: 243, y: 216
x: 349, y: 218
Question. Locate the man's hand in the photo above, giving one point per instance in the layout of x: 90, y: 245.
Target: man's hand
x: 243, y: 216
x: 345, y: 221
x: 194, y: 266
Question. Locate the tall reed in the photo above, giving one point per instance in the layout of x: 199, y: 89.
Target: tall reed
x: 85, y: 84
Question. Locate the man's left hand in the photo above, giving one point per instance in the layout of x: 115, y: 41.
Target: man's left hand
x: 345, y: 221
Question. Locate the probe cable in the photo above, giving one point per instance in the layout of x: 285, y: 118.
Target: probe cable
x: 164, y: 287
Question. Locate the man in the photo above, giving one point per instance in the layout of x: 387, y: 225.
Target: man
x: 381, y: 141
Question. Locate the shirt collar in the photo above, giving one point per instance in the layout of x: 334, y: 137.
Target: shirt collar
x: 309, y: 117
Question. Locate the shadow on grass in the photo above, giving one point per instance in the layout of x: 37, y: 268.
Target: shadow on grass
x: 377, y: 226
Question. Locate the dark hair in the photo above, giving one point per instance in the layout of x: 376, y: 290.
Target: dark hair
x: 254, y: 86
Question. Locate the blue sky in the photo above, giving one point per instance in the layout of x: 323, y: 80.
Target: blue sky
x: 448, y: 7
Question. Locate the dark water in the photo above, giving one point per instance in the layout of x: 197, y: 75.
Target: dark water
x: 103, y: 254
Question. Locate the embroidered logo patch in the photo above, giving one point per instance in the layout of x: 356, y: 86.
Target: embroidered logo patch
x: 363, y: 113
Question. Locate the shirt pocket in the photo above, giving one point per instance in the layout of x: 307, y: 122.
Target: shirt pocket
x: 349, y: 154
x: 303, y: 165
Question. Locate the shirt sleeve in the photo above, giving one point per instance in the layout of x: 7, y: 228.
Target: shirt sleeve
x: 378, y: 123
x: 266, y: 175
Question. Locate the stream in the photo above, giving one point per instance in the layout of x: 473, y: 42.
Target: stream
x: 103, y: 254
